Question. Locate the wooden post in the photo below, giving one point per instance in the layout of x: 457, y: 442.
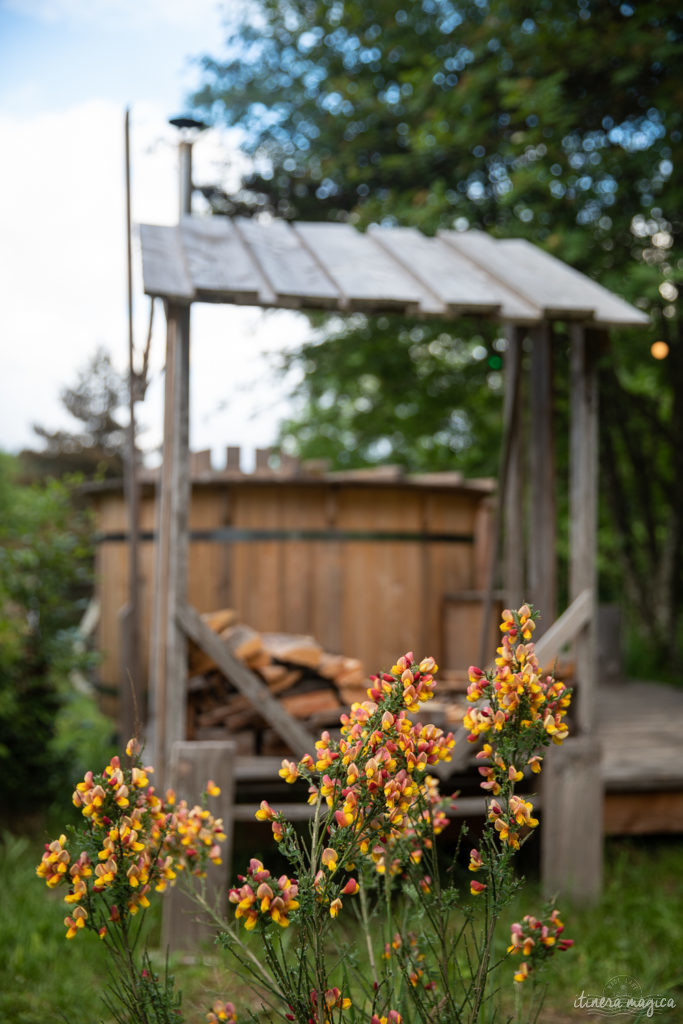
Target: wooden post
x: 583, y: 509
x: 191, y: 767
x: 168, y: 659
x: 509, y: 496
x: 542, y: 503
x: 513, y: 497
x: 572, y: 838
x: 571, y: 820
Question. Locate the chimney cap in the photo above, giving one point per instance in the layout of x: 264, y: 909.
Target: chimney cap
x: 187, y: 122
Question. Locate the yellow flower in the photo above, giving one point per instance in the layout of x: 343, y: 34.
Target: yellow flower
x: 289, y: 771
x: 522, y: 974
x: 329, y: 858
x: 265, y: 812
x: 78, y: 920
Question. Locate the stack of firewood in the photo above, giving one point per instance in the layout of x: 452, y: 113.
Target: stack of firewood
x: 311, y: 684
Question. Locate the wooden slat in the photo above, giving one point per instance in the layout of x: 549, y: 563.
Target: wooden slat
x: 219, y: 264
x: 561, y: 284
x: 455, y: 282
x: 643, y: 813
x: 366, y: 275
x: 294, y: 275
x: 548, y: 283
x: 257, y: 769
x: 462, y: 627
x: 247, y: 682
x: 551, y: 290
x: 515, y: 307
x: 564, y: 629
x: 163, y: 267
x: 640, y: 726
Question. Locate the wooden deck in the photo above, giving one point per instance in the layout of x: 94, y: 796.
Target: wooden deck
x: 640, y: 726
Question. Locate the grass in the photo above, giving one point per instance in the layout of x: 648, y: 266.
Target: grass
x: 635, y: 930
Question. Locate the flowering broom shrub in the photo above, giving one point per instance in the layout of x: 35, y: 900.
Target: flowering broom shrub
x: 132, y: 844
x: 423, y: 950
x: 376, y: 813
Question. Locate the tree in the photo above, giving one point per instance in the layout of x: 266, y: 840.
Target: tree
x: 394, y: 390
x: 46, y: 560
x: 559, y: 121
x: 94, y: 401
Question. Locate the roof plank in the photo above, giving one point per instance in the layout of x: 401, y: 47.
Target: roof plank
x: 163, y: 267
x: 610, y: 310
x: 296, y: 278
x: 368, y: 278
x: 459, y: 283
x: 460, y: 286
x: 220, y: 264
x: 552, y: 295
x: 558, y: 289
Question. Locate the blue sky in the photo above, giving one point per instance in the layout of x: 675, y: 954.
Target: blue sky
x: 68, y: 69
x: 56, y: 52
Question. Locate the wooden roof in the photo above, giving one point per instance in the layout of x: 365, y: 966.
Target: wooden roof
x: 304, y: 265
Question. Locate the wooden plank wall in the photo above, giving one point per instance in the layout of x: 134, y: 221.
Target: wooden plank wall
x: 367, y: 599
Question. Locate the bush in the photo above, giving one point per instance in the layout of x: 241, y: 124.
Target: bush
x: 46, y: 562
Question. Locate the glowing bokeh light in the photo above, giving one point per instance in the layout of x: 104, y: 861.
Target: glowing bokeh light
x: 659, y: 350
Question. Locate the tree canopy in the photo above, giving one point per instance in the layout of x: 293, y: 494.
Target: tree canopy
x: 558, y: 121
x: 94, y: 401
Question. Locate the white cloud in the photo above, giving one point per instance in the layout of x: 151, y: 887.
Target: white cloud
x: 62, y: 263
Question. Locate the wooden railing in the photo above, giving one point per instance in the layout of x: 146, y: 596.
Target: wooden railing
x: 565, y: 628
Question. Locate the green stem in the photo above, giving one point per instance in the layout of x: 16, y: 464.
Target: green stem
x: 366, y: 928
x: 484, y: 961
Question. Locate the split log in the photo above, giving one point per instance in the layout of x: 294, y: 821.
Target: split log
x: 294, y: 650
x: 301, y: 705
x: 242, y: 641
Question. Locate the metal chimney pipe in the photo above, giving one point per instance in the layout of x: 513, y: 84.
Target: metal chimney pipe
x: 185, y: 177
x: 189, y: 129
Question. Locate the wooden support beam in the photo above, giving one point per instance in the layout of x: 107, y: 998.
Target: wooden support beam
x: 565, y: 629
x: 191, y: 767
x: 512, y: 476
x: 542, y: 587
x: 572, y: 820
x: 508, y: 507
x: 583, y: 503
x: 247, y: 682
x: 572, y: 844
x: 168, y: 656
